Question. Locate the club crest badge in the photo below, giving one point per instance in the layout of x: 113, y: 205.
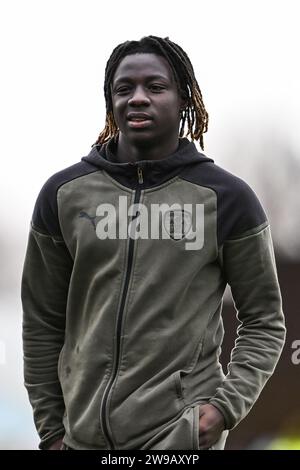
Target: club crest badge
x: 177, y: 223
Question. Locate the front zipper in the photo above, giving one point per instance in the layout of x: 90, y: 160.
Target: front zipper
x: 103, y: 417
x: 140, y: 175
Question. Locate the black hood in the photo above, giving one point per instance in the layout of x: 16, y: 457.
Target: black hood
x: 154, y: 171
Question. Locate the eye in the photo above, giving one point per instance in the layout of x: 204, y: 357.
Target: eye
x: 157, y: 88
x: 122, y: 90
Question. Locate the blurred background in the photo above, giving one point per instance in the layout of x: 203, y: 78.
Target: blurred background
x: 245, y: 56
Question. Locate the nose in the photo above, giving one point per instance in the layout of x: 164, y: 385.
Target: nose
x: 139, y: 97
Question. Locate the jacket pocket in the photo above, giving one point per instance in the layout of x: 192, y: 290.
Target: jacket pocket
x: 196, y: 427
x: 178, y: 385
x: 179, y: 434
x: 219, y: 444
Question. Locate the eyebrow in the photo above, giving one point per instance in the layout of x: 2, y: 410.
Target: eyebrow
x: 149, y: 77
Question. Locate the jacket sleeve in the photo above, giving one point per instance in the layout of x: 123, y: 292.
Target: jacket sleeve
x: 44, y: 289
x: 250, y: 270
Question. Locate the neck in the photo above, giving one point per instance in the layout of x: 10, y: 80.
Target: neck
x: 131, y: 152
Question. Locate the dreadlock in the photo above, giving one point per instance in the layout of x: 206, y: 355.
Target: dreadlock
x: 194, y: 114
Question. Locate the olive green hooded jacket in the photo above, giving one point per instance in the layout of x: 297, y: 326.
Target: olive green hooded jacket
x: 122, y: 308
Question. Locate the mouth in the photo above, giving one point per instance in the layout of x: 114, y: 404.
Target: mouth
x: 139, y: 123
x: 139, y: 120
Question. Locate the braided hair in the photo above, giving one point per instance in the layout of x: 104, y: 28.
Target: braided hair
x: 194, y: 114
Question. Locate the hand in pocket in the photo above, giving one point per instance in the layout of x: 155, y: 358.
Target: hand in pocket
x: 211, y: 425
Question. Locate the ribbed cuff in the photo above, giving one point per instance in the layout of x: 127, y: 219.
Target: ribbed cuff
x: 46, y: 443
x: 227, y: 418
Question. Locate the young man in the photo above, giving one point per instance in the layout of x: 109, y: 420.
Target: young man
x: 128, y: 257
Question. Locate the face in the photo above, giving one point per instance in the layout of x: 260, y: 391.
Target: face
x: 146, y: 100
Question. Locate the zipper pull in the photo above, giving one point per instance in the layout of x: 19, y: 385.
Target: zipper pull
x: 140, y: 175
